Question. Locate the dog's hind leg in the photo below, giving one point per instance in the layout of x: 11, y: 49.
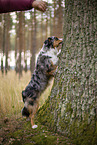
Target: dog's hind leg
x: 32, y: 119
x: 35, y: 108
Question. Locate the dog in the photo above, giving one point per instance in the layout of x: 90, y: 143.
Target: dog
x: 45, y: 69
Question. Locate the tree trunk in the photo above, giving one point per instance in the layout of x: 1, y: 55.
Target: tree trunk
x: 1, y: 42
x: 7, y: 44
x: 20, y: 41
x: 17, y: 43
x: 60, y: 19
x: 33, y: 42
x: 71, y: 108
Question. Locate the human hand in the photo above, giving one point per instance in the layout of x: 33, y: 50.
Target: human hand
x: 39, y: 5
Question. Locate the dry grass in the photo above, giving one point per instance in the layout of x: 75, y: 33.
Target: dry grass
x: 10, y: 93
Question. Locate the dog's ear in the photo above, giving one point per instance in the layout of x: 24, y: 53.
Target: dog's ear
x: 23, y: 96
x: 48, y: 42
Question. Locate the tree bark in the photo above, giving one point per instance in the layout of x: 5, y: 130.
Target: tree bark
x: 1, y: 43
x: 33, y: 42
x: 71, y: 109
x: 7, y: 43
x: 20, y: 42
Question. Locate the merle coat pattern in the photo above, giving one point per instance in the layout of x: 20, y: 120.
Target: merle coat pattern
x: 44, y: 70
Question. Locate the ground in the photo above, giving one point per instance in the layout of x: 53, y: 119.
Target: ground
x: 15, y: 130
x: 19, y: 132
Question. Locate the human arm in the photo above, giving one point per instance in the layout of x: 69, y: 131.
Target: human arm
x: 21, y: 5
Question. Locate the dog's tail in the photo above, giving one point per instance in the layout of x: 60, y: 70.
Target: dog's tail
x: 25, y: 112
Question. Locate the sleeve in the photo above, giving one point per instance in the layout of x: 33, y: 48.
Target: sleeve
x: 15, y: 5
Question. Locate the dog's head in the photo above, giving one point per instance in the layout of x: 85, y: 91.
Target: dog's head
x: 53, y: 42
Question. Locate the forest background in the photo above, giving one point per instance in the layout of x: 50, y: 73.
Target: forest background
x: 22, y: 35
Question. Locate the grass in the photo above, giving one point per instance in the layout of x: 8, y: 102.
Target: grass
x: 10, y: 93
x: 14, y: 129
x: 19, y: 132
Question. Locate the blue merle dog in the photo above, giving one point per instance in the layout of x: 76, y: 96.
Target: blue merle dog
x: 45, y: 68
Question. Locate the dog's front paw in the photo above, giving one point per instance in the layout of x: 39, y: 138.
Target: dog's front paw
x: 34, y: 126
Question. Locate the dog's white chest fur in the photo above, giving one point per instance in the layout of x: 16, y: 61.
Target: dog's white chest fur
x: 53, y: 54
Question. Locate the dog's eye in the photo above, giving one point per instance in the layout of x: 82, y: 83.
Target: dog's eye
x: 56, y: 39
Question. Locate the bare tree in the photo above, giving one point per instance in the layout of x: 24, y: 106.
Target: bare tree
x: 7, y: 42
x: 1, y: 42
x: 20, y: 41
x: 33, y: 41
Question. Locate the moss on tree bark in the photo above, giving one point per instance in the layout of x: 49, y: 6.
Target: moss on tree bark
x: 71, y: 109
